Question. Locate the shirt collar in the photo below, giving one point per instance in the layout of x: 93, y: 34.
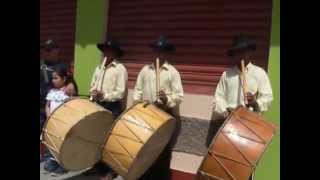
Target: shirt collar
x: 249, y: 66
x: 164, y: 66
x: 114, y: 63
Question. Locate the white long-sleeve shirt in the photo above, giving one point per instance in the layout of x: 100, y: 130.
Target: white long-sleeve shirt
x: 170, y: 82
x: 229, y: 92
x: 112, y: 81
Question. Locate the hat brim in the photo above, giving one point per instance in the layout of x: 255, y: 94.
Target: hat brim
x: 101, y: 47
x: 165, y: 48
x: 49, y: 47
x: 231, y: 51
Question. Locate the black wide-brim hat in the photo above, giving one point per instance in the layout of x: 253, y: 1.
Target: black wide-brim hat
x: 112, y: 44
x: 241, y: 42
x: 49, y: 45
x: 163, y: 45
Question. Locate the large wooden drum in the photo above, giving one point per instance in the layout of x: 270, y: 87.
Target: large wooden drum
x: 137, y: 139
x: 237, y: 147
x: 75, y: 133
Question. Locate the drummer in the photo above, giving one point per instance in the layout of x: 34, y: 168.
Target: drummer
x: 171, y: 95
x: 229, y: 91
x: 109, y: 89
x: 108, y: 84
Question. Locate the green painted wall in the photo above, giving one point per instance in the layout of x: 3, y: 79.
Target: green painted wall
x: 269, y: 166
x: 90, y: 29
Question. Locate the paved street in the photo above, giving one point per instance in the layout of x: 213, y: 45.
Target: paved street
x: 68, y: 176
x: 76, y: 175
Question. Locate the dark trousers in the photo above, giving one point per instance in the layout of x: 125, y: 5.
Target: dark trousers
x: 115, y: 107
x: 160, y: 169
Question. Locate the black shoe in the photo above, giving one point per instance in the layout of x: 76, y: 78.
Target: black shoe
x: 51, y: 165
x: 60, y: 170
x: 92, y: 171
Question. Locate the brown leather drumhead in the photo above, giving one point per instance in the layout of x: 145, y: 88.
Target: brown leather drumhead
x: 75, y: 133
x: 137, y: 139
x: 237, y: 147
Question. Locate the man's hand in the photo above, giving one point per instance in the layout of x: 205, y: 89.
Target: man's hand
x: 100, y: 95
x: 252, y: 102
x: 225, y: 114
x: 229, y: 109
x: 163, y: 97
x: 97, y: 95
x: 94, y: 94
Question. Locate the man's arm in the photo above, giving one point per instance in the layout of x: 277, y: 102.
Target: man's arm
x: 138, y: 89
x: 94, y: 79
x: 176, y: 96
x: 265, y: 96
x: 219, y: 98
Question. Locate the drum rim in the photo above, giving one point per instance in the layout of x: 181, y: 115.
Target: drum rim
x: 220, y: 129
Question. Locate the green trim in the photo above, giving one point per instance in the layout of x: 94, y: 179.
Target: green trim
x: 90, y: 29
x: 269, y: 166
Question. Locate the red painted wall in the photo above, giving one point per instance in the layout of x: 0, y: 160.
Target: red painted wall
x: 202, y: 31
x: 58, y: 22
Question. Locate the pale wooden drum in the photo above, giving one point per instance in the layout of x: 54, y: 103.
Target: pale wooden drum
x: 75, y: 133
x: 138, y: 137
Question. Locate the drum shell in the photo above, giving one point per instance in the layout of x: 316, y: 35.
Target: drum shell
x: 137, y: 139
x: 75, y: 133
x: 237, y: 147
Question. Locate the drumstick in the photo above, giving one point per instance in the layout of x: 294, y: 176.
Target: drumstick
x: 99, y: 77
x: 157, y: 78
x: 244, y: 82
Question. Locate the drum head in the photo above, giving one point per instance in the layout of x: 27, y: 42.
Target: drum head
x: 82, y: 147
x: 75, y: 133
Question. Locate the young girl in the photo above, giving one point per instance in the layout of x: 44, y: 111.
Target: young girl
x: 63, y: 88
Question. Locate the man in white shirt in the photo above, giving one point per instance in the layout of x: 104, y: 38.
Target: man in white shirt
x: 229, y: 92
x: 108, y: 84
x: 170, y: 96
x: 109, y: 89
x: 171, y: 91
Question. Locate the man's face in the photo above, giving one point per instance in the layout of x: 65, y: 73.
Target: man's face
x: 109, y: 53
x: 241, y: 55
x: 163, y: 56
x: 52, y: 55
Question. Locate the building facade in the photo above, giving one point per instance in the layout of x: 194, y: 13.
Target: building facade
x: 202, y: 31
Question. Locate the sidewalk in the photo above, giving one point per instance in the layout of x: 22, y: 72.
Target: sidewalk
x: 76, y: 175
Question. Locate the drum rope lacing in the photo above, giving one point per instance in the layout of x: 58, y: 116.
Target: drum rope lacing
x: 224, y: 168
x: 241, y: 152
x: 225, y: 157
x: 117, y: 161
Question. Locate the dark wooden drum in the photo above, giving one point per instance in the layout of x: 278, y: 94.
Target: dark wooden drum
x: 237, y: 147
